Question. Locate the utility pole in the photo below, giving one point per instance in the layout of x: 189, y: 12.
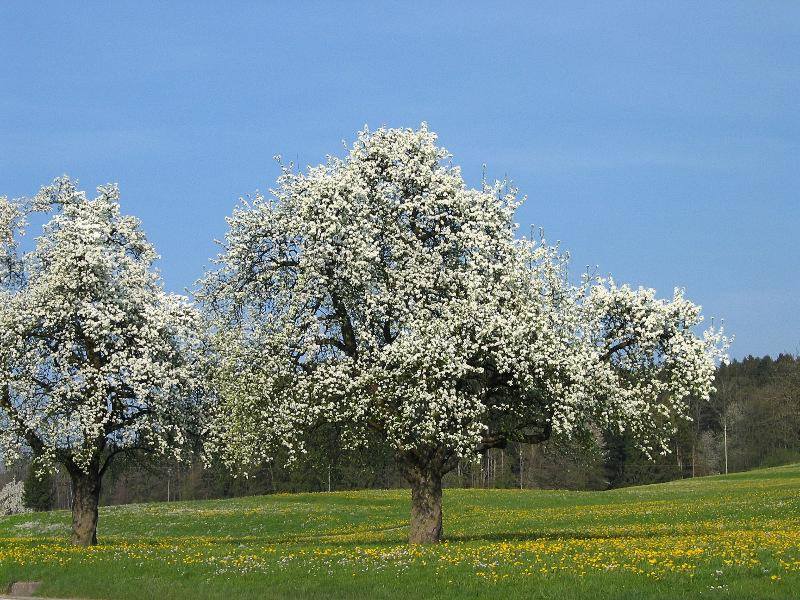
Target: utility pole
x: 725, y: 439
x: 721, y: 408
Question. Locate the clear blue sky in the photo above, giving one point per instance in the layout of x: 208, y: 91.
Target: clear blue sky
x: 656, y: 140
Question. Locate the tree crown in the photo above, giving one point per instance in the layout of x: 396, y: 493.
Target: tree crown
x: 95, y: 358
x: 379, y: 291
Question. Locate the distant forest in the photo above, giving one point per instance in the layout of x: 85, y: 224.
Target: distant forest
x: 752, y: 421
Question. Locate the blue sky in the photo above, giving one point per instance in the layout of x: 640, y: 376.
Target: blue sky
x: 658, y: 141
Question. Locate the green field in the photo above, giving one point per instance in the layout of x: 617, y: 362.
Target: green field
x: 736, y: 537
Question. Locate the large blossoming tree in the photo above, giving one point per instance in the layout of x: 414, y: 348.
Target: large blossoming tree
x: 380, y: 293
x: 95, y: 358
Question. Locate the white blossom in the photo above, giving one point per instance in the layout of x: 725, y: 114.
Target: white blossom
x: 378, y: 291
x: 95, y: 358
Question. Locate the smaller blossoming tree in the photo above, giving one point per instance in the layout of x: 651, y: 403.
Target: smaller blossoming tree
x: 95, y: 358
x: 12, y: 498
x: 380, y: 293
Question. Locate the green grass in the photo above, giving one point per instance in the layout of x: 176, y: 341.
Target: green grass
x: 717, y: 537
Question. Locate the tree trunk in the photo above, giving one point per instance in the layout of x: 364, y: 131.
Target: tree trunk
x: 85, y: 499
x: 426, y: 506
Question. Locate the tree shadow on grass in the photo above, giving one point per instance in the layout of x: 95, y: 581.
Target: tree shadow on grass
x: 358, y: 538
x: 396, y: 536
x: 564, y: 534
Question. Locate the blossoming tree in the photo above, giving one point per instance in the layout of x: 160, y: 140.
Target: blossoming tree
x: 12, y: 498
x: 95, y: 358
x: 379, y: 292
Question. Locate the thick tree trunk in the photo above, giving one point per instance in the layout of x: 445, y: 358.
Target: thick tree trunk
x: 426, y: 506
x: 85, y: 499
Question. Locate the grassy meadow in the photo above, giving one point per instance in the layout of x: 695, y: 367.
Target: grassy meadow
x: 734, y: 536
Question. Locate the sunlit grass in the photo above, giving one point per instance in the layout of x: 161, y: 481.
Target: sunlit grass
x: 736, y: 536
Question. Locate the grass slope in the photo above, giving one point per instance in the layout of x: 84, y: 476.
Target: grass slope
x: 736, y: 536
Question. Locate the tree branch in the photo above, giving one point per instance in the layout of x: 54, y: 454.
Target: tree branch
x: 616, y: 348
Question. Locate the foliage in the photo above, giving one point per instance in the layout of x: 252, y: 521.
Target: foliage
x: 760, y: 400
x: 754, y: 415
x: 38, y: 490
